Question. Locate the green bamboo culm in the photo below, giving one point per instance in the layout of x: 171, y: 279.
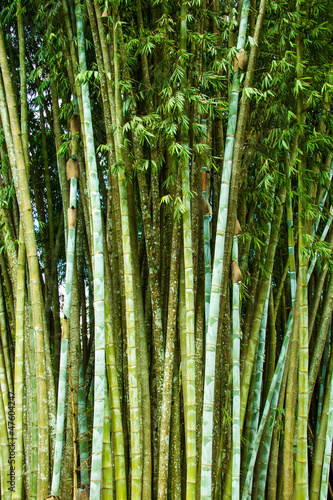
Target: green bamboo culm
x: 133, y: 389
x: 272, y: 397
x: 207, y: 421
x: 190, y: 401
x: 258, y: 379
x: 21, y: 277
x: 328, y: 448
x: 19, y: 367
x: 301, y: 476
x: 207, y: 254
x: 98, y: 271
x: 70, y: 256
x: 83, y: 428
x: 236, y: 444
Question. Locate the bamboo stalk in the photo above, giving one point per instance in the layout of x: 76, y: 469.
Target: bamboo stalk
x: 98, y: 273
x: 207, y: 426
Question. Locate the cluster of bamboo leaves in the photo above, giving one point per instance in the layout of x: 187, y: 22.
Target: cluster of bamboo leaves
x: 166, y: 286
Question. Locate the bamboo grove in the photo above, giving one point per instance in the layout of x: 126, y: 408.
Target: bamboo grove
x: 166, y: 267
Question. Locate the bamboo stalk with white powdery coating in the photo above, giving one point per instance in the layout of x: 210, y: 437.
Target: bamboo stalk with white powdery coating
x: 207, y: 422
x: 236, y: 442
x: 98, y: 271
x: 72, y: 175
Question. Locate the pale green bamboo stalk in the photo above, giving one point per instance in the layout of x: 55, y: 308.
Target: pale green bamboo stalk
x: 274, y: 387
x: 34, y: 423
x: 135, y: 432
x: 319, y: 451
x: 258, y: 380
x: 323, y: 378
x: 98, y: 272
x: 107, y: 467
x: 290, y: 224
x: 328, y: 448
x: 322, y: 203
x: 322, y: 238
x: 4, y: 341
x: 5, y: 454
x: 83, y: 428
x: 207, y: 422
x: 268, y: 441
x: 182, y: 328
x: 190, y: 401
x: 301, y: 486
x: 3, y: 383
x: 207, y: 254
x: 58, y: 447
x: 27, y: 414
x: 19, y: 368
x: 236, y: 441
x: 116, y: 415
x: 293, y: 284
x: 60, y: 411
x: 21, y: 277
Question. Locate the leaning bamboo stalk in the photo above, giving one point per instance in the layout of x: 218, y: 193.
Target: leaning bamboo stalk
x: 275, y: 386
x: 328, y: 448
x: 251, y: 350
x: 323, y: 378
x: 317, y: 465
x: 267, y: 441
x: 322, y: 238
x: 98, y: 272
x: 322, y: 203
x: 320, y: 340
x: 258, y: 379
x: 207, y: 425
